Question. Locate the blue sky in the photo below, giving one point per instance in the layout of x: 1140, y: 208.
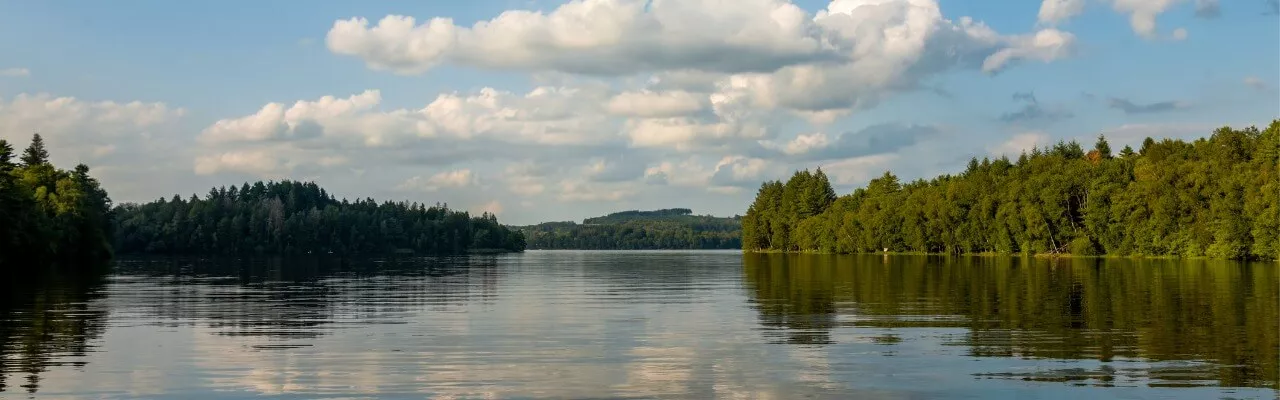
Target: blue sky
x: 543, y: 115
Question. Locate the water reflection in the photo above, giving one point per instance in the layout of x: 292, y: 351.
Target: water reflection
x: 45, y: 322
x: 647, y: 325
x: 1174, y: 323
x: 295, y: 298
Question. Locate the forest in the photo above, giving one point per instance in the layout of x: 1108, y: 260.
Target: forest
x: 675, y: 228
x: 50, y: 215
x: 289, y: 217
x: 1215, y: 197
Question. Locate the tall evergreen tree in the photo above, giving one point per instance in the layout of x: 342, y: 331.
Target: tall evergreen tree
x: 35, y: 154
x: 1102, y: 147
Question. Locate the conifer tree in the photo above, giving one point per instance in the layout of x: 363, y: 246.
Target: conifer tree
x: 35, y: 153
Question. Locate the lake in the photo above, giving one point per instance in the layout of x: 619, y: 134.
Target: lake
x: 677, y: 324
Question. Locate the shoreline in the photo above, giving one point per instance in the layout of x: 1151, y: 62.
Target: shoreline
x: 993, y: 254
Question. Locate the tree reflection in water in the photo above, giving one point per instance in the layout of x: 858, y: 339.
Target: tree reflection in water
x: 1223, y: 313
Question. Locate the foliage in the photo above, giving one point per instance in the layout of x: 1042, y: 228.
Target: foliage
x: 49, y: 215
x: 290, y: 217
x: 1217, y: 197
x: 675, y: 228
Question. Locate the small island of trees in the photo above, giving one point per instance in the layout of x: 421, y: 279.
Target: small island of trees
x: 289, y: 217
x: 673, y: 228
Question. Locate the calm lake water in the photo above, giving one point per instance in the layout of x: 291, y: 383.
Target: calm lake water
x: 563, y: 324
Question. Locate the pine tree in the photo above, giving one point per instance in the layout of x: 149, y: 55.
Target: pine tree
x: 6, y: 156
x: 35, y: 153
x: 1102, y: 147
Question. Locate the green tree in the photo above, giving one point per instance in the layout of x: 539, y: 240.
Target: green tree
x: 1215, y: 197
x: 35, y: 154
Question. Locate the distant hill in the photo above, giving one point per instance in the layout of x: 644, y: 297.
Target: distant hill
x: 673, y: 228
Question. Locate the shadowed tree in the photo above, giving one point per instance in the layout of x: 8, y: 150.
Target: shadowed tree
x: 35, y: 154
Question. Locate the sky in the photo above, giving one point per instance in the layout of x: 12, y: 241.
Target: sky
x: 551, y: 111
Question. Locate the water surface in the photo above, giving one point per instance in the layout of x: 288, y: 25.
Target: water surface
x: 715, y: 324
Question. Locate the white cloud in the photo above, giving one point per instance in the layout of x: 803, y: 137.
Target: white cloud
x: 773, y: 53
x: 594, y: 36
x: 15, y: 72
x: 76, y: 130
x: 889, y: 47
x: 1143, y: 13
x: 740, y: 170
x: 684, y: 134
x: 650, y: 104
x: 1180, y: 34
x: 857, y: 170
x: 274, y: 121
x: 1046, y: 45
x: 448, y: 179
x: 1019, y: 143
x: 1054, y: 11
x: 802, y: 144
x: 261, y: 163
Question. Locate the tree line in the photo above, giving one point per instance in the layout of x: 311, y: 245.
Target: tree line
x: 54, y: 216
x: 290, y: 217
x: 50, y: 215
x: 675, y: 228
x: 1216, y: 197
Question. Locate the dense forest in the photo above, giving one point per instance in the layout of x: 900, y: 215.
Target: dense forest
x: 1217, y: 197
x: 675, y: 228
x: 49, y: 215
x: 290, y: 217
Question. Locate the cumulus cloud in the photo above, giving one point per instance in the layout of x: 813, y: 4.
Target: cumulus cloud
x: 76, y: 130
x: 1130, y: 107
x: 739, y: 171
x: 1054, y: 11
x: 304, y: 119
x: 1019, y: 143
x: 447, y: 179
x: 15, y: 72
x: 1032, y: 111
x: 1143, y: 13
x: 1046, y: 45
x: 650, y: 104
x: 770, y: 53
x: 614, y: 37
